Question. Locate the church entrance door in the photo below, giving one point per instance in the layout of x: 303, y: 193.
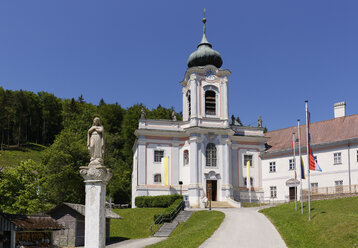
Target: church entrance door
x: 292, y: 193
x: 211, y: 189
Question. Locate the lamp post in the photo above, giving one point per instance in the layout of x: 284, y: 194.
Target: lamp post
x: 211, y: 196
x: 181, y: 186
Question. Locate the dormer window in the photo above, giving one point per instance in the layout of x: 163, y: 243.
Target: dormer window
x: 210, y: 102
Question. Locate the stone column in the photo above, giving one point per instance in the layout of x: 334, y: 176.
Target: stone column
x: 194, y: 193
x: 175, y: 162
x: 141, y: 161
x: 226, y: 186
x: 194, y: 100
x: 225, y: 101
x: 96, y: 179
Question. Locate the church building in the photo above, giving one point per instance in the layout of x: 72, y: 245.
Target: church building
x: 203, y: 156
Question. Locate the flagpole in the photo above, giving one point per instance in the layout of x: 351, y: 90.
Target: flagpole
x: 294, y: 163
x: 299, y: 157
x: 248, y: 180
x: 308, y: 162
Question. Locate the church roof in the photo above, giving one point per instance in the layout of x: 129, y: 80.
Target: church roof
x: 323, y: 132
x: 205, y: 55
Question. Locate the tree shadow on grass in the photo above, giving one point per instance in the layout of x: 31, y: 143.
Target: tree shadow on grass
x: 114, y: 240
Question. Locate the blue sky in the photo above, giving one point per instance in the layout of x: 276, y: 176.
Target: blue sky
x: 280, y: 53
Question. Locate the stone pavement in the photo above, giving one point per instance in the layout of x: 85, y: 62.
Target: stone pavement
x: 244, y: 227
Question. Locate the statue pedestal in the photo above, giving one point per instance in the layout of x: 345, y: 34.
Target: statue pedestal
x: 96, y: 179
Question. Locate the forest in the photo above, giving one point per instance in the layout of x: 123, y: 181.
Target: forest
x: 61, y: 126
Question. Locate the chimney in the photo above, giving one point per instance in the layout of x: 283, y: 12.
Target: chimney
x: 339, y: 109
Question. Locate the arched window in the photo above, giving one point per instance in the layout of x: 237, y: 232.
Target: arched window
x: 157, y: 178
x: 210, y: 102
x: 211, y: 155
x: 189, y: 103
x: 186, y: 157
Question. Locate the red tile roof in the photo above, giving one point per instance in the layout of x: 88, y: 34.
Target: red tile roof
x: 338, y: 129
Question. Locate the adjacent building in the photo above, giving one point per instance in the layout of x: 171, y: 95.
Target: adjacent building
x: 18, y: 230
x: 334, y: 144
x: 72, y: 217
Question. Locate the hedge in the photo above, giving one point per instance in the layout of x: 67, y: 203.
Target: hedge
x: 166, y: 213
x: 160, y: 201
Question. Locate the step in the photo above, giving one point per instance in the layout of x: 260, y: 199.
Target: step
x: 183, y: 216
x: 220, y: 204
x: 166, y: 229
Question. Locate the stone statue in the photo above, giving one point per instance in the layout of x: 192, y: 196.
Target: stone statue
x: 174, y: 117
x: 233, y: 120
x: 259, y: 122
x: 142, y: 113
x: 95, y: 142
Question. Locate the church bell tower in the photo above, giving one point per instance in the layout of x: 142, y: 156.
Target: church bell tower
x: 205, y: 87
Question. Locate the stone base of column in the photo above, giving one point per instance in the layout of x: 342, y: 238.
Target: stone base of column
x: 96, y: 179
x: 226, y: 191
x: 194, y: 195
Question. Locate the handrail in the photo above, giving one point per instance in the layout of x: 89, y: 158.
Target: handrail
x: 160, y: 219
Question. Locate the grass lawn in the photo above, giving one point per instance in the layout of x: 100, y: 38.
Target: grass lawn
x: 135, y: 223
x: 334, y: 223
x: 251, y: 205
x: 14, y: 156
x: 192, y: 233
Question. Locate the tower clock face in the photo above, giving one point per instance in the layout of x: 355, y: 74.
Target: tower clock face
x: 209, y: 73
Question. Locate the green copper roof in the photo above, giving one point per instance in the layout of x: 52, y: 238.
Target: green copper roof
x: 205, y: 55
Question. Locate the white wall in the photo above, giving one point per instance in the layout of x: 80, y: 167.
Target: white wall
x: 156, y: 167
x: 325, y: 158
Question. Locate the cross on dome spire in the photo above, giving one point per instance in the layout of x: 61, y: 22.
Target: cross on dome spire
x: 204, y: 40
x: 205, y: 55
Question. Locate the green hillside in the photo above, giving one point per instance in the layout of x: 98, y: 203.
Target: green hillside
x: 14, y: 156
x: 334, y: 223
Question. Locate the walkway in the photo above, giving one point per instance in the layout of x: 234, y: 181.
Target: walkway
x: 244, y: 227
x: 136, y: 243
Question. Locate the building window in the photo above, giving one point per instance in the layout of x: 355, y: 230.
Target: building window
x: 157, y: 178
x: 186, y: 157
x: 272, y: 166
x: 273, y: 191
x: 251, y: 181
x: 337, y: 158
x: 314, y: 187
x: 339, y: 186
x: 248, y: 158
x: 158, y: 155
x: 211, y: 155
x: 291, y: 164
x: 189, y: 102
x: 210, y: 102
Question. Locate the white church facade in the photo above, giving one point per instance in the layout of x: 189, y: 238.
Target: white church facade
x: 205, y: 155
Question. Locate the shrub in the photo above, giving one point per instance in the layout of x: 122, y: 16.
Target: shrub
x: 167, y: 212
x: 160, y: 201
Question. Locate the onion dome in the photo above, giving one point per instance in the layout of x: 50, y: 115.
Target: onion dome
x: 205, y: 55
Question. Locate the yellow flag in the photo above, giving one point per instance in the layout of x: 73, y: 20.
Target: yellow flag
x: 166, y: 176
